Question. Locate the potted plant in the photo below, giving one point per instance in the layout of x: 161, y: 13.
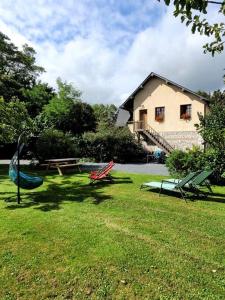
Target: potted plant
x: 186, y: 116
x: 159, y: 118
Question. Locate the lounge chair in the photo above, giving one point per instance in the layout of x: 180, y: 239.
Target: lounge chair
x: 102, y: 173
x: 201, y: 179
x: 100, y: 170
x: 171, y: 186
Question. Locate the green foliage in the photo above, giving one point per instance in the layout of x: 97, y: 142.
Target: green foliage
x: 36, y: 97
x: 113, y: 143
x: 53, y: 143
x: 212, y: 130
x: 67, y: 91
x: 188, y: 12
x: 212, y: 127
x: 17, y: 68
x: 180, y: 163
x: 66, y: 112
x: 104, y: 114
x: 14, y: 119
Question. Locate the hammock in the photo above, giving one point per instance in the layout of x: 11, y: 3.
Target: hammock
x: 24, y: 181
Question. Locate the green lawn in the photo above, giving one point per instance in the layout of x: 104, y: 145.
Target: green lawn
x: 68, y: 240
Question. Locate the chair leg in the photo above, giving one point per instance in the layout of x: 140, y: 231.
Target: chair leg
x: 160, y: 191
x: 209, y: 188
x: 183, y: 195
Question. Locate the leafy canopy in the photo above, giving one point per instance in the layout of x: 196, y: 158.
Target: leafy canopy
x: 67, y: 112
x: 14, y: 120
x: 212, y: 126
x: 104, y: 114
x: 36, y: 97
x: 190, y: 12
x: 17, y: 68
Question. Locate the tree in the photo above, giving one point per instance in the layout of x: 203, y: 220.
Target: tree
x: 212, y: 130
x: 17, y: 69
x: 104, y: 114
x: 14, y: 120
x: 67, y: 112
x: 188, y: 12
x: 214, y: 97
x: 36, y: 97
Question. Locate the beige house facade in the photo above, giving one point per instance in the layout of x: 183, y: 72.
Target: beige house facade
x: 164, y: 108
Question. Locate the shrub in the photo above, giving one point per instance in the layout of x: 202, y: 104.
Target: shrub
x: 214, y: 159
x: 55, y: 144
x: 180, y: 163
x: 117, y: 143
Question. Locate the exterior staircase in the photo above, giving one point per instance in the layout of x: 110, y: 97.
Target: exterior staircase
x: 145, y: 130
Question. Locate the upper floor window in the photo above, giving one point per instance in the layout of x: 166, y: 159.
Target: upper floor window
x: 185, y: 112
x: 159, y: 114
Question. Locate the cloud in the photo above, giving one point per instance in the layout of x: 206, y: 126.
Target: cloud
x: 106, y: 48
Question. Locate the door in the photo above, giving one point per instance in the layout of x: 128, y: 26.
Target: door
x: 143, y: 118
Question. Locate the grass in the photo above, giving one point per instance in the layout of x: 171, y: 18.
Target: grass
x: 69, y: 240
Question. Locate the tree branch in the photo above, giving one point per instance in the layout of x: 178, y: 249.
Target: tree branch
x: 215, y: 2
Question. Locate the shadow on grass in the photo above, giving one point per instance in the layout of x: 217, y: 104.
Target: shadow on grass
x: 205, y: 196
x: 58, y: 193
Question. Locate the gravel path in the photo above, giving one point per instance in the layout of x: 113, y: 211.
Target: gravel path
x: 151, y: 168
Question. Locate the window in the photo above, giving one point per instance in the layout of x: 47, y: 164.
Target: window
x: 185, y: 112
x: 159, y: 114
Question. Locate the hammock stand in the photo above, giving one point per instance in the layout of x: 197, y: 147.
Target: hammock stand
x: 22, y: 180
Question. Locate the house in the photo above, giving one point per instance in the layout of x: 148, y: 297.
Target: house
x: 164, y: 113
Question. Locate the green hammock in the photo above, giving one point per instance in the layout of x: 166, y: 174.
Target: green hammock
x: 25, y: 181
x: 21, y: 179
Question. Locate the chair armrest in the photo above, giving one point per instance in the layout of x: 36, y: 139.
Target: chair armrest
x: 164, y: 180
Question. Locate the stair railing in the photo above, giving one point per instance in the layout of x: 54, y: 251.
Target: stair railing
x: 160, y: 139
x: 141, y: 126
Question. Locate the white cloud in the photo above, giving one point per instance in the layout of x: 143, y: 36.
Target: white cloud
x: 107, y: 54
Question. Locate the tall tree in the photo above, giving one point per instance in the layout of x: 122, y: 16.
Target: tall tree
x: 67, y: 112
x: 17, y: 68
x: 14, y: 119
x: 190, y: 12
x: 36, y: 97
x: 212, y: 130
x: 104, y: 114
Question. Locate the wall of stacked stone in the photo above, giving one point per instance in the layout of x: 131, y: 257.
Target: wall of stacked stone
x: 183, y: 139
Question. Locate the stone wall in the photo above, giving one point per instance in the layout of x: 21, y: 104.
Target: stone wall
x: 177, y: 139
x: 183, y: 139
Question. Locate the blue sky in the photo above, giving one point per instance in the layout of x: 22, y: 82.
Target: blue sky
x: 106, y: 48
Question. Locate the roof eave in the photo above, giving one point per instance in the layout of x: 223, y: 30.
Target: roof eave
x: 151, y: 75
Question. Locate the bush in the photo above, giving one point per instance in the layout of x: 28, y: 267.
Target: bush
x: 55, y: 144
x: 117, y: 144
x: 180, y: 163
x: 214, y: 159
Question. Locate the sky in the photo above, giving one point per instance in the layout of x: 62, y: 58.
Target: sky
x: 106, y: 48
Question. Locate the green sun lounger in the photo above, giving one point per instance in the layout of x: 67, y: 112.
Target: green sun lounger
x: 199, y: 180
x: 171, y: 186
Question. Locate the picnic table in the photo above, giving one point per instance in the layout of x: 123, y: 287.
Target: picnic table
x: 62, y: 163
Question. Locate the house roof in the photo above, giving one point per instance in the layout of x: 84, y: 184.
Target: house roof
x: 152, y: 75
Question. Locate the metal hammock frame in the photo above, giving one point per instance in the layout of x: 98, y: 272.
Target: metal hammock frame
x: 28, y: 182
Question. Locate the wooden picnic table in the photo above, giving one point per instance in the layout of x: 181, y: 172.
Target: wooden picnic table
x: 62, y: 163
